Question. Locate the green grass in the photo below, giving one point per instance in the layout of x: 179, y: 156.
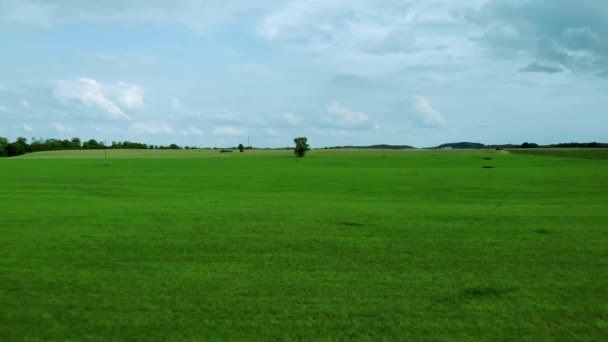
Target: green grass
x: 344, y: 244
x: 585, y: 153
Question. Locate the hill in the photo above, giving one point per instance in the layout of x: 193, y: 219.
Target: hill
x: 377, y: 147
x: 462, y: 145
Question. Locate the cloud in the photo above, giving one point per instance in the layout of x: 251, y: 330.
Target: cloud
x: 152, y: 127
x: 95, y: 94
x: 537, y: 67
x: 291, y: 119
x: 342, y: 117
x: 125, y: 59
x: 227, y: 131
x: 61, y: 128
x: 199, y: 16
x: 176, y: 105
x: 334, y: 133
x: 573, y: 34
x: 27, y: 128
x: 227, y: 116
x: 270, y: 132
x: 25, y: 104
x: 427, y: 115
x: 369, y: 37
x: 348, y: 81
x: 131, y: 96
x: 195, y: 131
x: 3, y: 109
x: 26, y: 12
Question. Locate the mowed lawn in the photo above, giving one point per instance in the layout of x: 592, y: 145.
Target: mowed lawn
x: 342, y: 245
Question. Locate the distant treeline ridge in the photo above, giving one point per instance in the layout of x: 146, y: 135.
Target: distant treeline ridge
x: 471, y: 145
x: 21, y: 146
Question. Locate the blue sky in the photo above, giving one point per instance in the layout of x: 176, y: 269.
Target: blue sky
x: 341, y: 72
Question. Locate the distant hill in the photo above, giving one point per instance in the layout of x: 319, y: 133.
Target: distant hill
x: 382, y: 146
x: 471, y: 145
x: 462, y: 145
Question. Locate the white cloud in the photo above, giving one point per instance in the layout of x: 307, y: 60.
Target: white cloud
x: 3, y: 109
x: 292, y: 119
x: 369, y: 37
x: 61, y: 128
x: 257, y: 70
x: 287, y: 21
x: 26, y: 12
x: 195, y: 131
x: 27, y: 128
x: 427, y: 115
x: 95, y: 94
x: 334, y: 133
x: 227, y: 116
x: 271, y: 132
x: 345, y: 114
x: 342, y: 117
x: 177, y: 108
x: 131, y: 96
x: 176, y: 104
x: 152, y: 127
x: 125, y: 59
x: 25, y: 104
x: 227, y: 131
x: 196, y: 15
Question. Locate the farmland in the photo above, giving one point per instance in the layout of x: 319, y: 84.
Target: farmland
x: 193, y: 244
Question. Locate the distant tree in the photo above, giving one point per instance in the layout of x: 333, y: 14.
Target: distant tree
x: 14, y: 149
x: 76, y: 144
x: 241, y: 147
x: 301, y: 147
x: 3, y: 143
x: 66, y: 144
x: 174, y: 147
x: 21, y: 141
x: 529, y: 145
x: 91, y: 144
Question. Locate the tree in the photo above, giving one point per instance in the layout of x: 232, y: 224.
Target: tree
x: 76, y: 144
x: 528, y: 145
x: 14, y: 149
x: 91, y: 144
x: 301, y: 147
x: 21, y: 141
x: 3, y: 143
x: 241, y: 147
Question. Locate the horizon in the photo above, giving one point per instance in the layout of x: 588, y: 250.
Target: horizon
x: 418, y: 73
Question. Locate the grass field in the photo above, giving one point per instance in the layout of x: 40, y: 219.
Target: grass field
x: 345, y: 244
x: 585, y: 153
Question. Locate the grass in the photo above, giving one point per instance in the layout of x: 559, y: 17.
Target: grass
x: 585, y: 153
x: 187, y: 245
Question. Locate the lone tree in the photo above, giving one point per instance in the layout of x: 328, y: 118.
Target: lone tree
x: 241, y: 147
x: 301, y: 147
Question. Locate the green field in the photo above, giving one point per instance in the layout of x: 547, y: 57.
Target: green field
x: 585, y: 153
x: 345, y: 244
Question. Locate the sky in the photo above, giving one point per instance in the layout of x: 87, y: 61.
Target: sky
x: 340, y: 72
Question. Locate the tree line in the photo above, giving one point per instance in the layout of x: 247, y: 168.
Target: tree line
x: 21, y: 146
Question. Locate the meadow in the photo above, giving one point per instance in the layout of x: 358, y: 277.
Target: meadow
x: 345, y: 244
